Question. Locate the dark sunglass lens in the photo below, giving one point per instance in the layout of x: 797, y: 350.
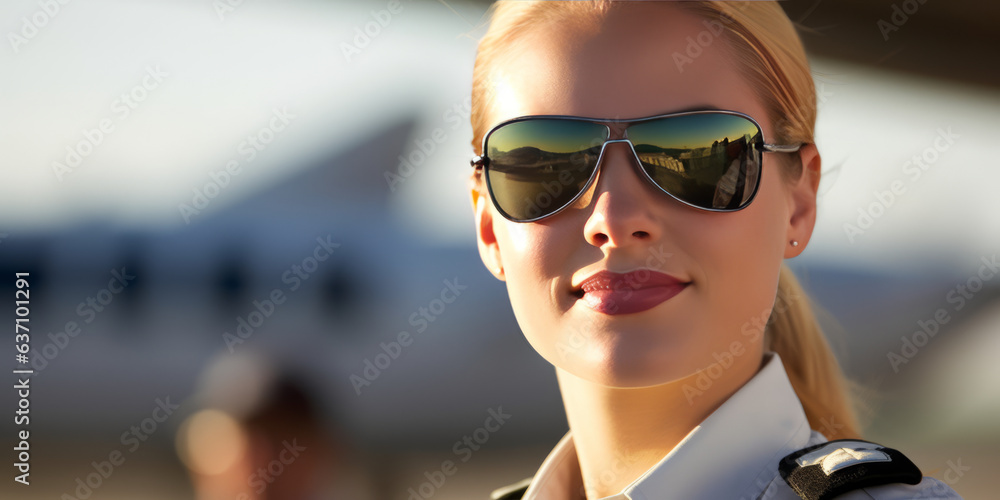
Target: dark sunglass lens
x: 709, y: 160
x: 538, y: 166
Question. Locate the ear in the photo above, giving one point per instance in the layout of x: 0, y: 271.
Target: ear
x: 486, y: 239
x: 802, y: 201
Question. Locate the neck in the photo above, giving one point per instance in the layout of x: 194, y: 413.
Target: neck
x: 619, y: 433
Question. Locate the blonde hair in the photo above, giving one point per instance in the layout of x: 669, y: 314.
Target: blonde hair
x: 772, y: 61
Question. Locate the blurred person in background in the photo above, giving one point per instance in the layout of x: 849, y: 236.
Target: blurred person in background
x: 642, y: 170
x: 261, y: 435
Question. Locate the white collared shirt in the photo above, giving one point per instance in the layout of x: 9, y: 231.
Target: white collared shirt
x: 733, y: 454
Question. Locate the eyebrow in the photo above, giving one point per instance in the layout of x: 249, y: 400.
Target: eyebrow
x: 700, y: 107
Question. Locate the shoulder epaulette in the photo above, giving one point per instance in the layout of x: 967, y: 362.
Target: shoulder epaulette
x: 825, y: 470
x: 511, y: 491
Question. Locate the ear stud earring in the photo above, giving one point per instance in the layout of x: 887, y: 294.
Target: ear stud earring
x: 795, y: 243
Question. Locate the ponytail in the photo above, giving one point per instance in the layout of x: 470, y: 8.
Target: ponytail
x: 795, y: 335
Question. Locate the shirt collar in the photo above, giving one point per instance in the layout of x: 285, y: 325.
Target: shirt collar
x: 733, y: 453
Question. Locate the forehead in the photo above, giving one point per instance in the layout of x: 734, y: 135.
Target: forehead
x: 644, y: 59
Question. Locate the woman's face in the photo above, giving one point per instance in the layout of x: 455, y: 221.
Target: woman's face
x: 633, y: 68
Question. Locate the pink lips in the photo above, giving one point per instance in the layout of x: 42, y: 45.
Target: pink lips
x: 615, y: 293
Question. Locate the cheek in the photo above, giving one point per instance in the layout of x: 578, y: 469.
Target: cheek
x: 528, y: 254
x: 740, y: 256
x: 535, y: 257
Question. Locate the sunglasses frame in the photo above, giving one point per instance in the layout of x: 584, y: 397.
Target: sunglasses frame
x: 619, y: 128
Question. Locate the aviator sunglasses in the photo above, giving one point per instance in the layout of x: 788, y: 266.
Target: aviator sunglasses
x: 535, y: 166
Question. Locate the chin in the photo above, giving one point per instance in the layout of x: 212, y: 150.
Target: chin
x: 626, y: 363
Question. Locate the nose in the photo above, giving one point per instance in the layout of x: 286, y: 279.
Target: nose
x: 624, y: 203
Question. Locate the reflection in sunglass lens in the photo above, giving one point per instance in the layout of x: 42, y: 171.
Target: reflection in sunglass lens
x: 709, y: 160
x: 538, y: 166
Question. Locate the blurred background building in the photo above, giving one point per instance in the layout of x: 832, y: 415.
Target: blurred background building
x: 190, y: 182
